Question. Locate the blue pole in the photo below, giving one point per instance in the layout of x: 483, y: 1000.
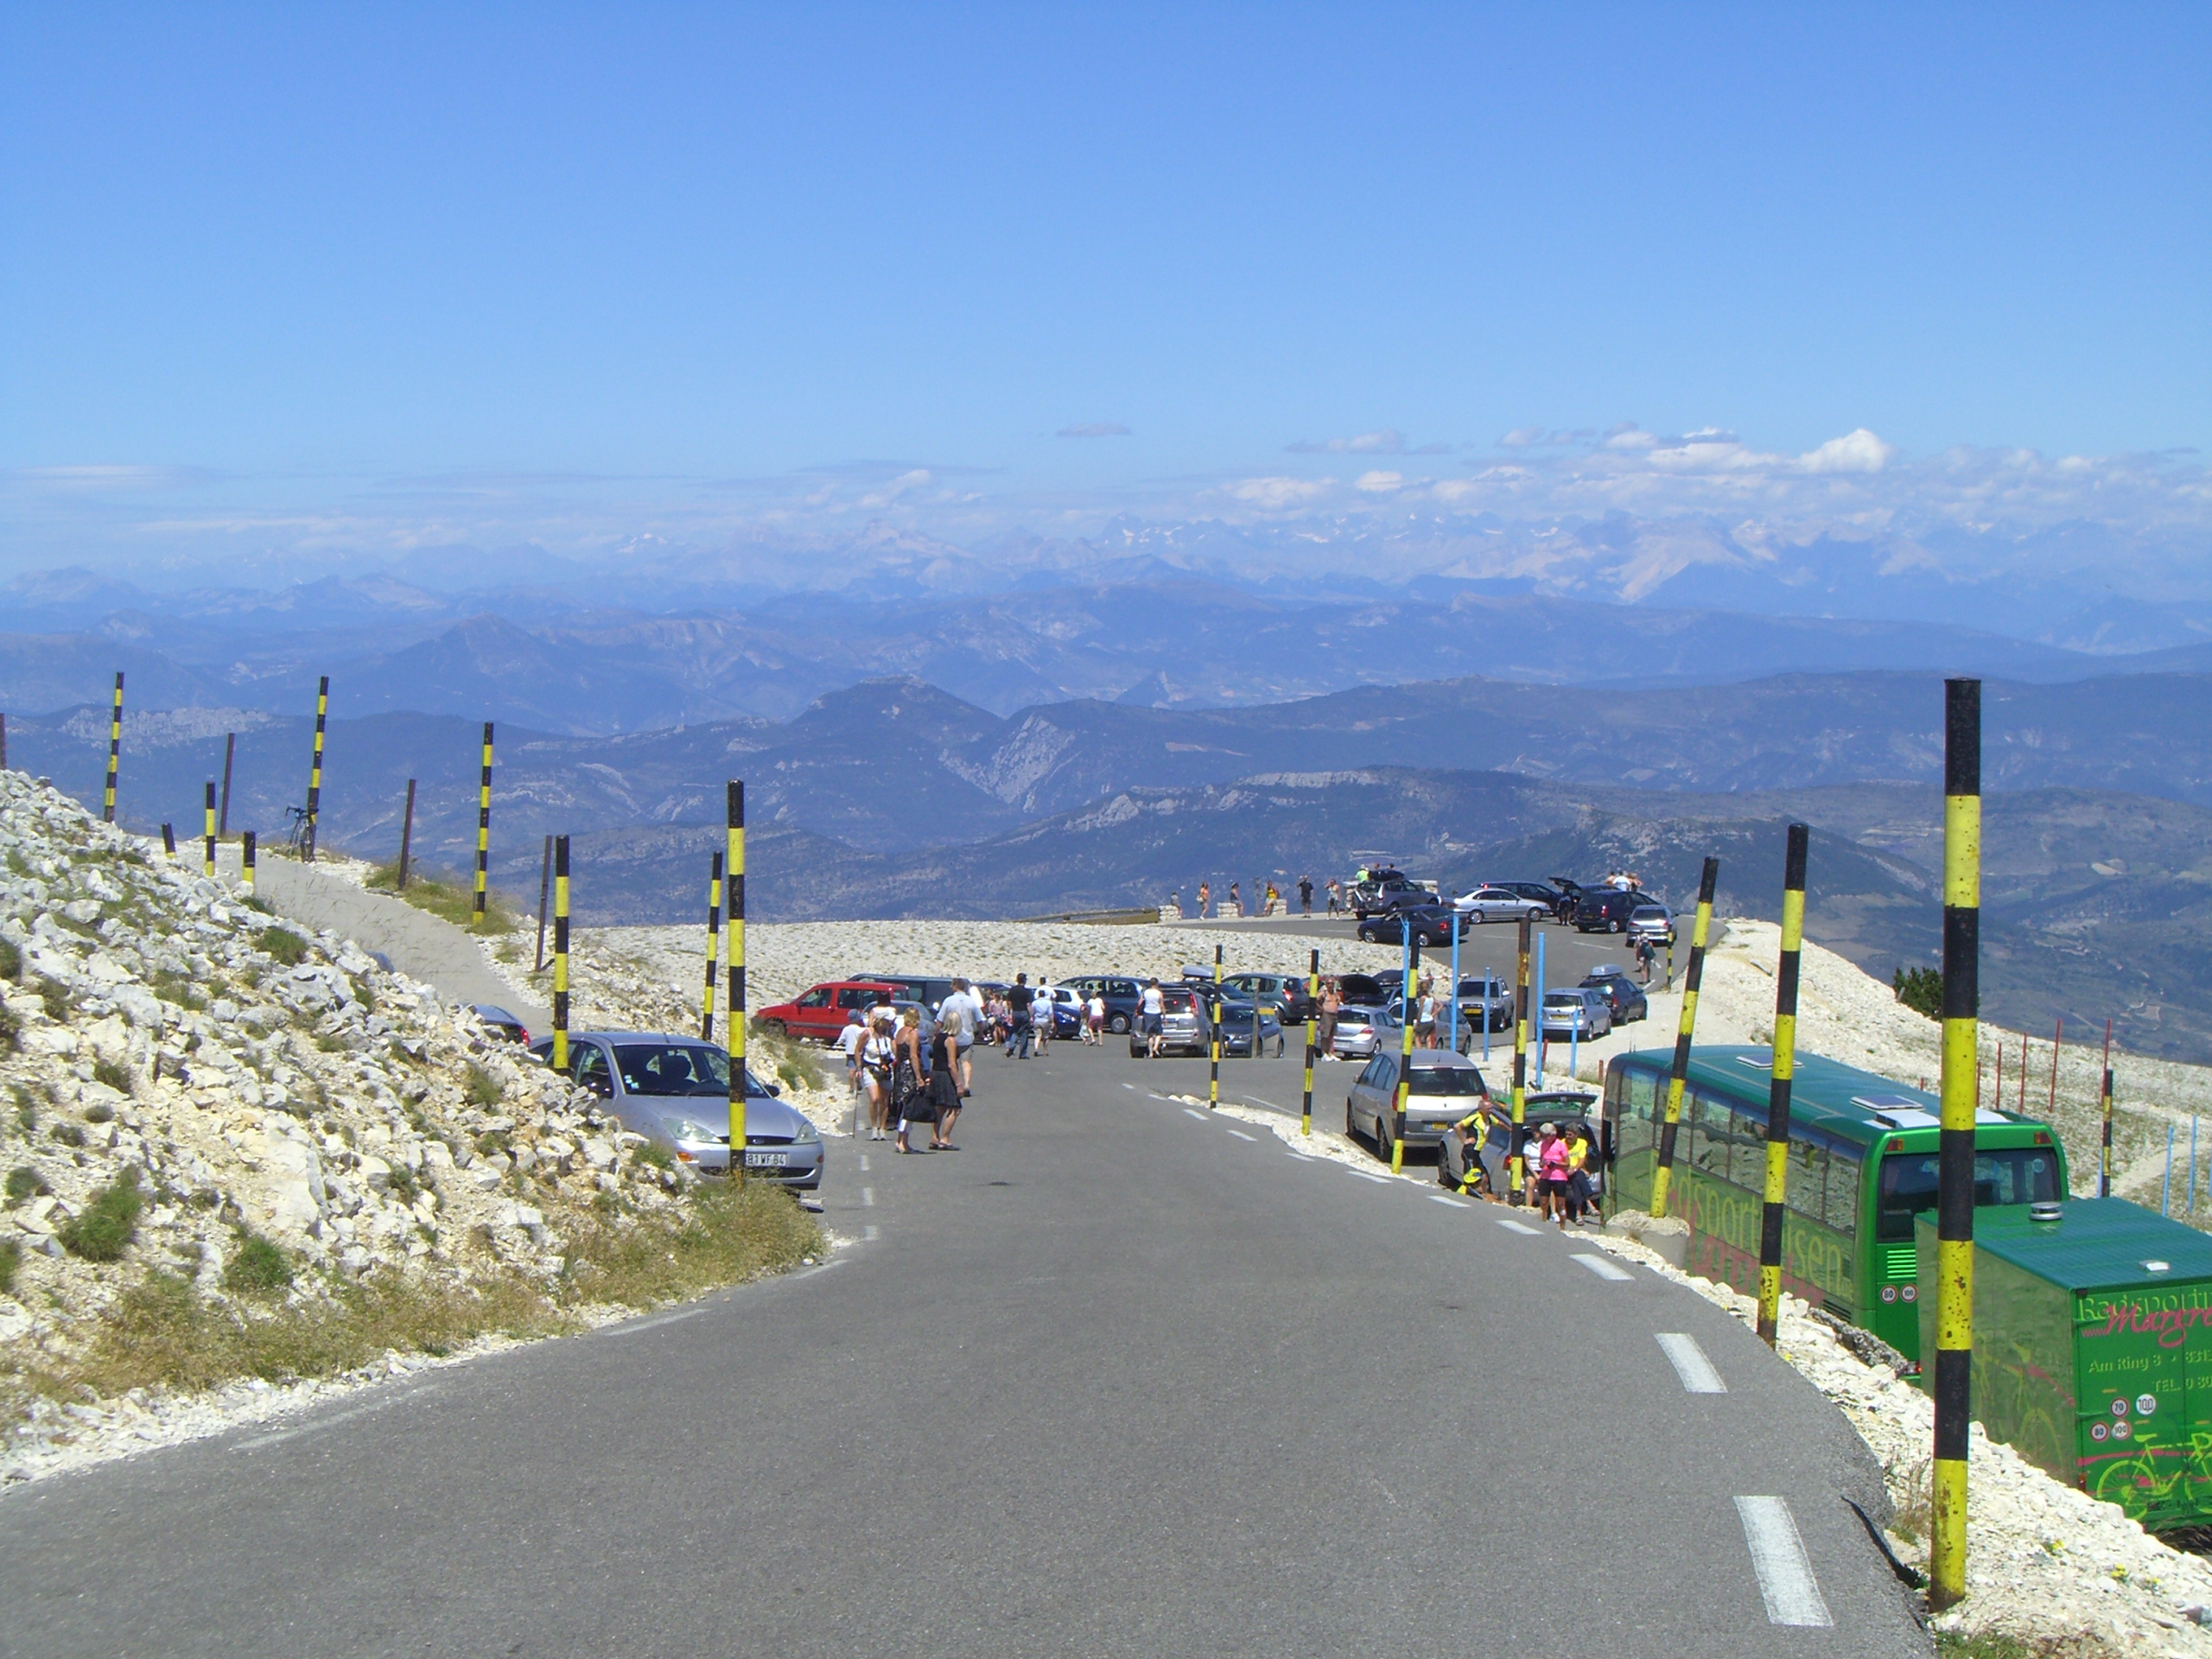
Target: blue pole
x: 1574, y: 1050
x: 1452, y: 1042
x: 1405, y: 967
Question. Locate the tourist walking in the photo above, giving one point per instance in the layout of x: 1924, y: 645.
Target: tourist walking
x: 1424, y: 1013
x: 1152, y: 1013
x: 1205, y: 897
x: 1332, y: 1004
x: 963, y: 1011
x: 1017, y: 999
x: 849, y: 1040
x: 1643, y: 958
x: 877, y: 1056
x: 1336, y: 896
x: 1097, y: 1018
x: 908, y: 1102
x: 1306, y: 895
x: 1236, y: 899
x: 945, y: 1093
x: 1044, y: 1015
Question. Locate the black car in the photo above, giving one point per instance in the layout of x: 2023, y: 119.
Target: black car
x: 1570, y: 1109
x: 1605, y: 910
x: 1432, y: 924
x: 1557, y: 894
x: 1364, y: 990
x: 1623, y: 994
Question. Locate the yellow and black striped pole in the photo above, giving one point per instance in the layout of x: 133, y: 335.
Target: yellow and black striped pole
x: 2104, y: 1179
x: 1663, y: 1175
x: 246, y: 861
x: 560, y: 953
x: 1312, y: 1011
x: 484, y: 822
x: 1783, y: 1069
x: 1946, y: 1546
x: 315, y: 777
x: 210, y: 841
x: 1213, y: 1027
x: 1405, y: 1049
x: 714, y: 947
x: 1516, y: 1156
x: 114, y: 751
x: 733, y: 890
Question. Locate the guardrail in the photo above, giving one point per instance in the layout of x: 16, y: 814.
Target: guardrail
x: 1129, y: 918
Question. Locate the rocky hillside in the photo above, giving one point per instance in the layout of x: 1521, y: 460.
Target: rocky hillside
x: 224, y: 1134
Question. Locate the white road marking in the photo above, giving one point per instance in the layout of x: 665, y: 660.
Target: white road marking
x: 1269, y: 1104
x: 868, y: 1197
x: 1187, y: 1112
x: 1605, y: 1269
x: 1439, y: 1197
x: 320, y: 1423
x: 863, y: 1163
x: 1165, y: 1100
x: 869, y: 1234
x: 1792, y: 1594
x: 1364, y: 1176
x: 1512, y: 1226
x: 1240, y: 1136
x: 632, y: 1326
x: 1302, y: 1158
x: 1690, y: 1363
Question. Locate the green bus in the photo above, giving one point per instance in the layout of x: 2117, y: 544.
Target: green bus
x: 1862, y: 1165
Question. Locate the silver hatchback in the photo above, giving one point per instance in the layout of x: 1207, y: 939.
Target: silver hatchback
x: 1445, y: 1090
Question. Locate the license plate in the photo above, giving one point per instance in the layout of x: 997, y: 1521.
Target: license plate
x: 766, y: 1159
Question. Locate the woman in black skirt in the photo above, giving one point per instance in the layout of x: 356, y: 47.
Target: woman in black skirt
x: 910, y: 1103
x: 944, y: 1094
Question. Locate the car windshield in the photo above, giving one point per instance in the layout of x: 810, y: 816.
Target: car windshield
x: 1650, y: 914
x: 1562, y: 999
x: 2015, y: 1175
x: 672, y: 1069
x: 1478, y: 988
x: 1445, y: 1080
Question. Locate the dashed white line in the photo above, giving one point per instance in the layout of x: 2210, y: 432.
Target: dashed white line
x: 868, y: 1197
x: 1439, y: 1197
x: 1187, y: 1112
x: 869, y: 1234
x: 1363, y: 1175
x: 1512, y: 1226
x: 1129, y: 1085
x: 1165, y: 1100
x: 1303, y: 1158
x: 1792, y: 1594
x: 1604, y: 1267
x: 1240, y: 1136
x: 1690, y: 1363
x: 863, y: 1163
x: 322, y: 1423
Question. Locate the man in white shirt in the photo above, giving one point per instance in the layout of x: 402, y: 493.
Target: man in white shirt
x: 962, y: 1012
x: 849, y: 1040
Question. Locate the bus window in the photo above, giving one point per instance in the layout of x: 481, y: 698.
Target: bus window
x: 1809, y: 1171
x: 2015, y: 1175
x: 1747, y: 1151
x: 1711, y: 1116
x: 1843, y: 1192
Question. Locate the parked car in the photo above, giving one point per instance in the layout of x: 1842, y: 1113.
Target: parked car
x: 1270, y: 989
x: 917, y: 988
x: 1653, y: 923
x: 1358, y: 1031
x: 1124, y: 997
x: 1495, y: 903
x: 1556, y: 895
x: 1364, y: 990
x: 1061, y: 1004
x: 1444, y: 1089
x: 1432, y: 924
x: 675, y: 1091
x: 1183, y: 1024
x: 820, y: 1014
x: 1486, y: 999
x: 1576, y: 1013
x: 1569, y: 1110
x: 1624, y: 998
x: 499, y: 1021
x: 1187, y: 1024
x: 1389, y: 891
x: 1605, y: 910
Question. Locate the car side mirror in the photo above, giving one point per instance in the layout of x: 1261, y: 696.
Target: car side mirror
x: 775, y: 1088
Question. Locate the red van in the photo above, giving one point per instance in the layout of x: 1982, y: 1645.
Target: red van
x: 824, y: 1011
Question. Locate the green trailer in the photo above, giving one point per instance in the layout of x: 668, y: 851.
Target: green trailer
x: 2093, y: 1348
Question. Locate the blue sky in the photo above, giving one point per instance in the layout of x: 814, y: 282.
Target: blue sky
x: 276, y: 247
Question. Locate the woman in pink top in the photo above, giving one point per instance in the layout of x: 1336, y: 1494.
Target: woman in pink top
x: 1552, y: 1174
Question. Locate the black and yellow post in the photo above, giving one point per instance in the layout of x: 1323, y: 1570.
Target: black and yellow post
x: 1313, y: 1013
x: 1783, y: 1069
x: 114, y: 751
x: 560, y: 953
x: 1947, y: 1546
x: 1516, y: 1156
x: 210, y: 841
x: 1213, y: 1028
x: 1671, y: 1125
x: 2104, y: 1179
x: 714, y: 947
x: 1406, y: 1050
x: 245, y: 859
x: 733, y: 890
x: 168, y: 839
x: 223, y: 807
x: 484, y: 822
x: 315, y: 777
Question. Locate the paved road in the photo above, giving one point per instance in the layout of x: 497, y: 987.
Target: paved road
x: 1112, y: 1380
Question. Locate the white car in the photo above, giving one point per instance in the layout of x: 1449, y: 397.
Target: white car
x: 1498, y: 905
x: 1570, y: 1013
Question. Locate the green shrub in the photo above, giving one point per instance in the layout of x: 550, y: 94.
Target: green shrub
x: 54, y: 995
x: 404, y: 1185
x: 11, y: 960
x: 99, y: 1112
x: 25, y: 1110
x: 114, y: 1073
x: 482, y: 1089
x: 11, y: 1257
x: 68, y: 1133
x: 11, y: 1030
x: 1920, y: 989
x: 107, y: 1224
x: 282, y: 945
x: 257, y: 1267
x: 24, y: 1182
x: 654, y: 1154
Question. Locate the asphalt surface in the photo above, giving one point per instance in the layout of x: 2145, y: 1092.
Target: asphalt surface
x: 1113, y: 1379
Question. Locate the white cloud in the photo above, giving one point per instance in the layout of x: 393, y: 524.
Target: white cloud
x: 1857, y: 451
x: 905, y: 484
x: 1275, y: 494
x: 1377, y: 483
x: 1383, y: 442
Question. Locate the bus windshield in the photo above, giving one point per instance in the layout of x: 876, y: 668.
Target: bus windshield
x: 2015, y: 1175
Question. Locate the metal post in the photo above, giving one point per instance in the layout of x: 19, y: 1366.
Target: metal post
x: 544, y: 892
x: 560, y: 949
x: 2104, y: 1177
x: 168, y: 839
x: 2191, y: 1207
x: 1671, y: 1126
x: 1213, y: 1028
x: 1514, y: 1157
x: 223, y: 809
x: 406, y: 835
x: 114, y: 753
x: 1780, y: 1072
x: 1954, y: 1368
x: 484, y: 822
x: 1313, y: 1013
x: 245, y: 858
x: 315, y: 777
x: 734, y: 890
x: 2058, y: 1036
x: 2166, y: 1188
x: 3, y: 742
x: 1452, y: 1037
x: 210, y: 871
x: 1574, y: 1050
x: 1405, y: 1049
x: 713, y: 946
x: 1541, y: 1035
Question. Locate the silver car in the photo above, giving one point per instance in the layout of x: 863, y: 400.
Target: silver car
x: 1444, y: 1088
x: 1499, y: 905
x: 1569, y: 1013
x: 675, y: 1091
x: 1359, y: 1032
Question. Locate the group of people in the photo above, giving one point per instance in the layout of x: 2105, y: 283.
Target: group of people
x: 1271, y: 899
x: 912, y: 1076
x: 1555, y: 1167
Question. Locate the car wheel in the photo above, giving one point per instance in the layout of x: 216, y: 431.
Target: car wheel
x: 1614, y: 926
x: 1352, y: 1130
x: 775, y: 1028
x: 1117, y: 1025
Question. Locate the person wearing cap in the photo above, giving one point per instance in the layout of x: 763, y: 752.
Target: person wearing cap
x: 1551, y: 1174
x: 1473, y: 1130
